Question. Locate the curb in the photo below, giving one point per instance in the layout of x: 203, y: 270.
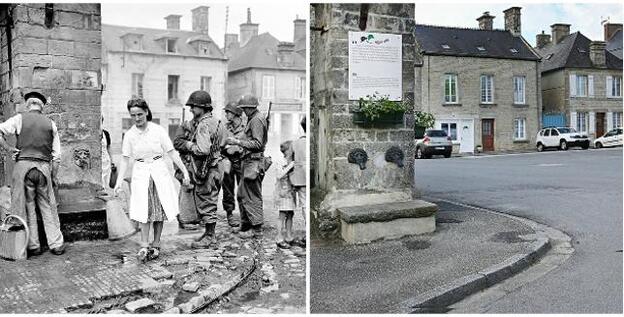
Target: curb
x: 461, y: 288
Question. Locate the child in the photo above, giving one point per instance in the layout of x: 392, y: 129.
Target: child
x: 285, y: 195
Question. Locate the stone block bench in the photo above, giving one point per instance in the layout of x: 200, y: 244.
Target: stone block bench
x: 363, y: 224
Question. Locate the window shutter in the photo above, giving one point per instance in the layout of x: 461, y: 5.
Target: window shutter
x: 609, y: 121
x: 573, y: 120
x: 609, y: 88
x: 572, y: 85
x: 590, y: 85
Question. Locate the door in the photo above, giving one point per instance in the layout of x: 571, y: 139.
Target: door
x: 487, y: 134
x: 600, y: 124
x: 466, y: 142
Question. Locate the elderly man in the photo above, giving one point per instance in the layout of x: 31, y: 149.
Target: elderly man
x: 253, y: 167
x: 232, y: 178
x: 37, y: 154
x: 201, y: 151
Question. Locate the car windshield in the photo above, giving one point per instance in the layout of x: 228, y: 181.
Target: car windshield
x: 436, y: 133
x: 566, y: 130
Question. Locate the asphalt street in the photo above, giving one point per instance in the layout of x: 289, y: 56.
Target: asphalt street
x: 577, y: 191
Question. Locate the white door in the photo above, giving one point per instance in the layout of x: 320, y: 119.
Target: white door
x: 466, y: 140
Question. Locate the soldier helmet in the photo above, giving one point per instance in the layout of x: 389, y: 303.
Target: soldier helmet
x: 35, y: 94
x: 200, y: 98
x: 234, y: 108
x: 248, y: 101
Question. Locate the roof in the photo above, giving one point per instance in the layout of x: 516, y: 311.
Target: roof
x: 614, y: 44
x: 573, y: 52
x: 261, y: 52
x: 466, y: 42
x: 111, y: 40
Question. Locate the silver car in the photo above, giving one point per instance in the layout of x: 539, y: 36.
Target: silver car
x: 611, y: 138
x: 434, y: 142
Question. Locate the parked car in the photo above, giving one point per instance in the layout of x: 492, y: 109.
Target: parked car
x: 434, y: 142
x: 611, y: 138
x: 560, y: 137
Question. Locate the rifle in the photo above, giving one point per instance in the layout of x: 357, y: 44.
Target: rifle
x: 268, y: 118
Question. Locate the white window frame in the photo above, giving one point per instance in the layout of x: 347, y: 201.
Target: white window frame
x: 487, y: 89
x: 450, y: 80
x: 268, y: 87
x: 137, y: 85
x: 449, y: 128
x: 581, y: 85
x: 581, y: 122
x: 519, y: 129
x: 617, y: 120
x: 205, y: 81
x: 614, y: 87
x: 519, y: 83
x: 176, y: 92
x: 300, y: 87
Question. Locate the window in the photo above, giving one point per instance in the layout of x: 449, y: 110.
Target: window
x: 547, y: 132
x: 614, y: 86
x: 300, y: 88
x: 480, y: 48
x: 451, y: 129
x: 170, y: 46
x: 581, y: 122
x: 172, y: 87
x: 137, y: 85
x: 450, y: 88
x: 445, y: 46
x: 513, y: 50
x: 268, y: 87
x: 520, y: 129
x: 617, y: 119
x: 203, y: 49
x: 487, y: 88
x: 581, y: 85
x: 204, y: 83
x: 518, y: 82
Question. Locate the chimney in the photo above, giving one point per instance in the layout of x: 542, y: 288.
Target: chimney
x: 248, y: 30
x: 486, y: 21
x: 173, y: 21
x: 231, y: 42
x: 512, y: 20
x: 300, y: 29
x: 559, y: 31
x: 542, y: 40
x: 200, y: 19
x: 285, y: 56
x: 610, y: 29
x: 597, y: 53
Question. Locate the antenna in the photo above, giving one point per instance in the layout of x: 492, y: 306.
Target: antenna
x: 603, y: 21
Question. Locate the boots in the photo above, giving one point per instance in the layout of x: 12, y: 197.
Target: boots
x: 231, y: 220
x: 206, y: 239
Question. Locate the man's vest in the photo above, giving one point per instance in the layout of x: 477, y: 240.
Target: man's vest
x: 35, y: 139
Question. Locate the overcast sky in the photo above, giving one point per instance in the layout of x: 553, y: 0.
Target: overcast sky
x: 583, y: 17
x: 274, y: 18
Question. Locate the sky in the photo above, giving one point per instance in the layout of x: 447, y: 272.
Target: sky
x: 274, y: 18
x: 535, y: 17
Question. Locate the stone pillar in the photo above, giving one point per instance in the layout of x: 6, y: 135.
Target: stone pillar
x: 334, y: 135
x: 56, y: 49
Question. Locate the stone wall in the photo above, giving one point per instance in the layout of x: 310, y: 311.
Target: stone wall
x: 58, y: 52
x: 334, y: 134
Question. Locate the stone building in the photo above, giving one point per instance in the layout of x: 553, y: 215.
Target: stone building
x: 163, y: 66
x: 481, y: 85
x: 55, y: 48
x: 334, y: 136
x: 581, y: 79
x: 273, y: 71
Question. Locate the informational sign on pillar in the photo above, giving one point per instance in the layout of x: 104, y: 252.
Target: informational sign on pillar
x: 375, y: 65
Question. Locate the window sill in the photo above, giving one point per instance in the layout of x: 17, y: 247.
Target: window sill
x: 520, y: 105
x: 487, y: 105
x: 520, y: 141
x: 174, y: 102
x: 451, y: 104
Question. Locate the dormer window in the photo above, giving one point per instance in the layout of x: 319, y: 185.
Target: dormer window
x: 445, y: 46
x: 171, y: 46
x: 513, y: 50
x: 481, y: 48
x: 549, y: 56
x: 204, y: 49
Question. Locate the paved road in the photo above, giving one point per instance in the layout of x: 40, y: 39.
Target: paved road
x: 577, y: 191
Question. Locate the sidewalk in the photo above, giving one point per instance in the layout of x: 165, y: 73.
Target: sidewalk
x: 469, y: 250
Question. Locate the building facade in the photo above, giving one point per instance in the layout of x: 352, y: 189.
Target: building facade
x: 163, y: 66
x: 481, y: 85
x: 582, y: 79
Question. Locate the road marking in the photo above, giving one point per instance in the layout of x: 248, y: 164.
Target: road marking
x: 548, y: 165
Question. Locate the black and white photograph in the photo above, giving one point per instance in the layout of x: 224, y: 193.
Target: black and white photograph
x: 153, y: 158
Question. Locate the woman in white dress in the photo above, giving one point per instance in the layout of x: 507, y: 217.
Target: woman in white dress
x: 153, y: 196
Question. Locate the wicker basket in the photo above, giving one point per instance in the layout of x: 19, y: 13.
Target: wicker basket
x: 13, y: 239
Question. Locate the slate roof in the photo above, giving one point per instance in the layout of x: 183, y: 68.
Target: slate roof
x: 261, y: 52
x: 614, y: 44
x: 111, y: 40
x: 573, y: 52
x: 463, y: 42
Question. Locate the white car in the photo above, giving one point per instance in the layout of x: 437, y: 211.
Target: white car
x: 611, y: 138
x: 560, y: 137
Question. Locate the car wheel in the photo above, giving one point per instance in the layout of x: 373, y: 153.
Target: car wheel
x: 447, y: 155
x: 419, y: 153
x: 585, y: 146
x: 540, y: 147
x: 598, y: 145
x: 563, y: 145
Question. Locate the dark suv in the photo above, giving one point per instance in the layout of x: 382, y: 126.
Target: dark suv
x: 434, y: 142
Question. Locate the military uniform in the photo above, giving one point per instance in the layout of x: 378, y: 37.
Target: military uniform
x: 233, y: 176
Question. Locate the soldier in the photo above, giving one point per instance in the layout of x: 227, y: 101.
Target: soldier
x: 253, y: 166
x: 37, y: 155
x: 298, y: 176
x: 202, y: 154
x: 232, y: 178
